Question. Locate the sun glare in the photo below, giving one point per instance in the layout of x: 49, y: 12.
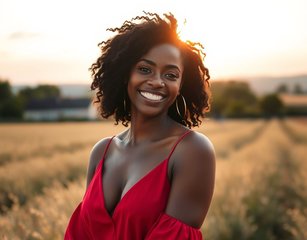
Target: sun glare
x: 239, y: 37
x: 182, y: 31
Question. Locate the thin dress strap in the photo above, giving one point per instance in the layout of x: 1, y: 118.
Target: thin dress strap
x: 178, y: 141
x: 105, y: 152
x: 106, y: 149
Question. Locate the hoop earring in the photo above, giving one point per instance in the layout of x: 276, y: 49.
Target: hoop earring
x: 185, y: 107
x: 125, y: 105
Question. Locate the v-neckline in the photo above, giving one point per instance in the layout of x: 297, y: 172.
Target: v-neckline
x: 111, y: 216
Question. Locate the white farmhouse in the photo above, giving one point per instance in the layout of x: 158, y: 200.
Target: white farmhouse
x: 53, y: 109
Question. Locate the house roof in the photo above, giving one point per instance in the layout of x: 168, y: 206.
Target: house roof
x: 58, y: 103
x: 294, y: 100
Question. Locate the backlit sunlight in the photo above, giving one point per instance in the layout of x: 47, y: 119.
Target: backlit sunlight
x: 56, y: 41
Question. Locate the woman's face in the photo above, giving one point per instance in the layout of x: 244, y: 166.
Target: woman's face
x: 155, y: 80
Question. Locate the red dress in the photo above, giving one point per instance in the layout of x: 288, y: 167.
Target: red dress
x: 139, y: 214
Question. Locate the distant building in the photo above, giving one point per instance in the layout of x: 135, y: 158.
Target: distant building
x: 295, y: 104
x: 53, y: 109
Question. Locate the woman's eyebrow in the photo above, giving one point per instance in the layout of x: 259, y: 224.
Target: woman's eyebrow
x: 148, y: 61
x: 154, y: 64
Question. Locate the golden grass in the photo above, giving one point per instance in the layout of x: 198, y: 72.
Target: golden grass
x: 46, y: 216
x: 231, y: 137
x: 53, y: 184
x: 241, y: 171
x: 23, y: 141
x: 24, y: 180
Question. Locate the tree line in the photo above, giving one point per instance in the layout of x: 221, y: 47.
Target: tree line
x: 230, y: 99
x: 235, y: 99
x: 12, y: 106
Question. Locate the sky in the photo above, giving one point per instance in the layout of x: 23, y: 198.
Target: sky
x: 55, y: 41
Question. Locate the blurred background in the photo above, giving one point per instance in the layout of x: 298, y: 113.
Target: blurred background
x: 256, y: 55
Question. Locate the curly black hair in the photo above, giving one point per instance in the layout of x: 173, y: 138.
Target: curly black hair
x: 120, y: 53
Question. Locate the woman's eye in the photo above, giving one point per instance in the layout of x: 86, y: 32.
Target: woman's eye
x: 171, y: 76
x: 144, y: 70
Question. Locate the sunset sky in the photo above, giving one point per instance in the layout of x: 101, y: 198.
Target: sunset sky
x: 55, y: 41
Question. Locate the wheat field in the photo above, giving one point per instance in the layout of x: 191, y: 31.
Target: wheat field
x: 260, y: 191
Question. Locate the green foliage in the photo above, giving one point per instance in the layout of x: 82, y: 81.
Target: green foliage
x: 11, y: 107
x: 298, y: 89
x: 296, y: 111
x: 235, y: 108
x: 233, y: 99
x: 5, y: 90
x: 283, y: 88
x: 271, y: 105
x: 39, y: 92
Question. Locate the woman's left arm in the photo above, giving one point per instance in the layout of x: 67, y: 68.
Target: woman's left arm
x: 191, y: 189
x: 193, y: 180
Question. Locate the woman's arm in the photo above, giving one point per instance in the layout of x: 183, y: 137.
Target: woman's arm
x: 193, y: 180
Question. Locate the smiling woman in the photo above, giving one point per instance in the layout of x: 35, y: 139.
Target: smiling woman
x: 120, y: 55
x: 155, y: 80
x: 155, y: 180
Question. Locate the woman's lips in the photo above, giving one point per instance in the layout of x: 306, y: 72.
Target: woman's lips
x: 151, y: 96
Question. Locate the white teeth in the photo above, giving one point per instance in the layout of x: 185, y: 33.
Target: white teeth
x: 151, y: 96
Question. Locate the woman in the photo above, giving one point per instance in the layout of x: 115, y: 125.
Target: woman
x: 156, y: 179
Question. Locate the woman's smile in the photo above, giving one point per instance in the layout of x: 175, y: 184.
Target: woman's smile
x: 155, y: 80
x: 155, y: 97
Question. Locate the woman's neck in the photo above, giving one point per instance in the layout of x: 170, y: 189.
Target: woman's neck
x: 144, y: 130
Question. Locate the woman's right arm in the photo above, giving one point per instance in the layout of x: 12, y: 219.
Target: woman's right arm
x: 95, y: 157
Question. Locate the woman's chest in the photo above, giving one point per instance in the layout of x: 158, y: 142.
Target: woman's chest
x: 124, y: 171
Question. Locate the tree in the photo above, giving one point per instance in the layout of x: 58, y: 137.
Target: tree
x: 298, y: 89
x: 271, y: 105
x: 5, y: 90
x: 10, y: 105
x: 233, y: 99
x: 235, y: 109
x: 39, y: 92
x: 11, y: 108
x: 283, y: 88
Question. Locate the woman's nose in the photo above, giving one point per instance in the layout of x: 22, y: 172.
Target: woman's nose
x: 156, y: 82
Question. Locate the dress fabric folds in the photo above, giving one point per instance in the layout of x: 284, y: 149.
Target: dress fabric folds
x: 168, y: 227
x: 138, y: 216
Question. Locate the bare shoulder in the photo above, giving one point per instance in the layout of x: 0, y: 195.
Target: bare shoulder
x: 197, y: 143
x: 98, y: 150
x: 96, y: 155
x: 193, y: 179
x: 196, y: 148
